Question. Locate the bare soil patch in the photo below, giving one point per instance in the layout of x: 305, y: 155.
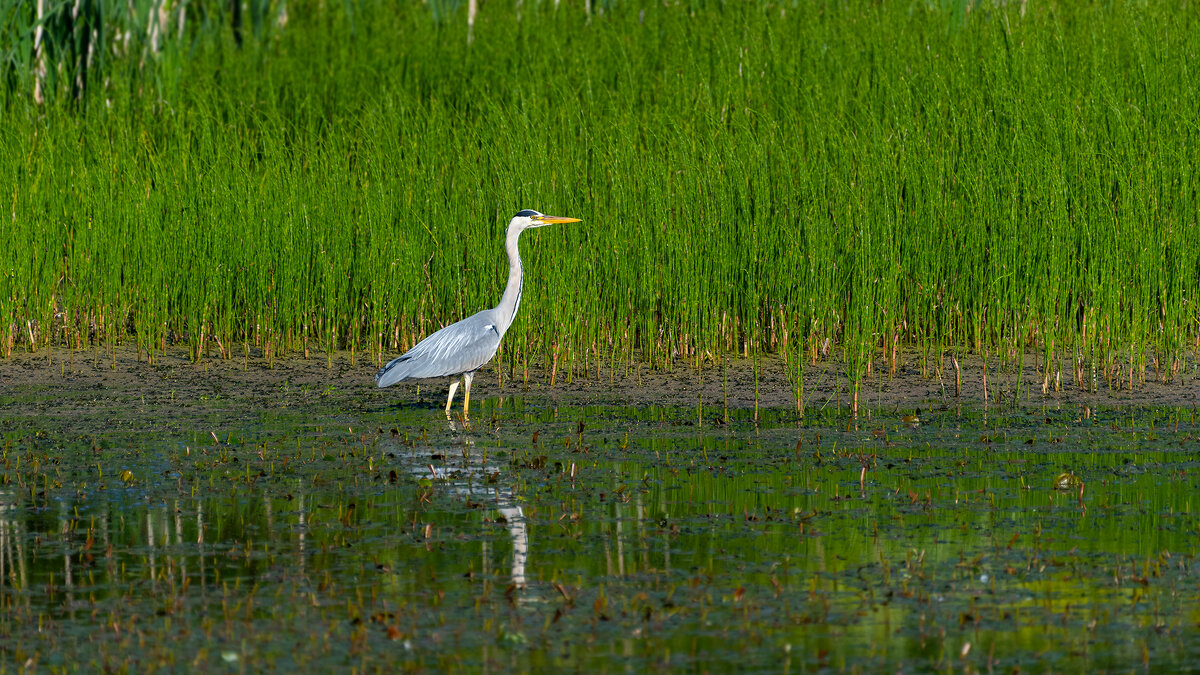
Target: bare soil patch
x: 103, y: 384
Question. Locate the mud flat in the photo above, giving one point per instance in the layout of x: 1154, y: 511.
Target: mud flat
x: 61, y: 384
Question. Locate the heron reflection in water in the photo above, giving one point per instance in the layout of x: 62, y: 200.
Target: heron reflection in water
x: 475, y: 479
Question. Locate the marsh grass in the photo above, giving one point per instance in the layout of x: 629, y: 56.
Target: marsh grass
x: 822, y: 180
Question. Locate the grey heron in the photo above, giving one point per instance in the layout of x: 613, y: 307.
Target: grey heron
x: 462, y: 348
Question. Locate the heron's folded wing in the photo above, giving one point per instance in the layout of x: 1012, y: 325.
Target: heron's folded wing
x: 458, y: 348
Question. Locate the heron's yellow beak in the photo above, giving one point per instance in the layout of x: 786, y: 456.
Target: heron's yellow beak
x: 550, y: 220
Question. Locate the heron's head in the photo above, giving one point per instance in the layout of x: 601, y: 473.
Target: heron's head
x: 529, y: 218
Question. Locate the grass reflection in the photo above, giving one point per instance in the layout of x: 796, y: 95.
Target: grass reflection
x: 588, y: 537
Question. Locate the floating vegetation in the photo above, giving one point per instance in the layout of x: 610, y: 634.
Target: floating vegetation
x: 817, y: 180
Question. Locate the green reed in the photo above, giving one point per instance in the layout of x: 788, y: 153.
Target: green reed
x: 822, y: 180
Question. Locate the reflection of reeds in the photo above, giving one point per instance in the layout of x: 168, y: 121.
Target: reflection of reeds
x: 672, y: 538
x: 13, y: 571
x: 820, y: 182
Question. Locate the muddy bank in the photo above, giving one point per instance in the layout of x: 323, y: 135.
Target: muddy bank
x: 122, y: 387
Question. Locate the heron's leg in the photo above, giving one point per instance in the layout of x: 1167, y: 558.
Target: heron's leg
x: 467, y: 377
x: 450, y: 398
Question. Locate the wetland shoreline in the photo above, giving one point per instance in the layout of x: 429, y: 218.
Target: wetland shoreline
x: 76, y: 385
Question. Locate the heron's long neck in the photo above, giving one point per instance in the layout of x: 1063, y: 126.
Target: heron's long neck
x: 511, y: 300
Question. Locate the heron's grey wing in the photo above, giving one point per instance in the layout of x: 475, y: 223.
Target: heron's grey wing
x: 458, y: 348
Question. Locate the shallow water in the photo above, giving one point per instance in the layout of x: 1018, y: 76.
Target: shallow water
x: 600, y: 538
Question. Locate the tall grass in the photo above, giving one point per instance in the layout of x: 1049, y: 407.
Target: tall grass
x: 816, y: 179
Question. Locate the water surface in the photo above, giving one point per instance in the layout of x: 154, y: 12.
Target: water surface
x: 321, y: 534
